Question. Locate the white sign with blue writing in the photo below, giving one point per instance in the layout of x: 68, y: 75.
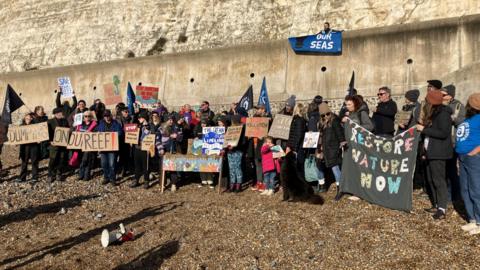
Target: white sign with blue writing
x: 329, y: 43
x: 65, y: 86
x: 213, y: 139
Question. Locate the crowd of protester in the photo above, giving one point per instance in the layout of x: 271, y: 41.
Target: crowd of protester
x: 448, y: 160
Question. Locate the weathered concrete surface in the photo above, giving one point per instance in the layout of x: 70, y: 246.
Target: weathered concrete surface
x: 446, y: 49
x: 40, y: 33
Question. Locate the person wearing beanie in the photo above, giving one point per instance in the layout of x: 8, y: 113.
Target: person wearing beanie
x: 413, y: 107
x: 468, y: 149
x: 384, y: 114
x: 457, y: 117
x: 289, y: 105
x: 437, y: 130
x: 109, y: 159
x: 330, y: 141
x: 313, y: 115
x: 58, y: 155
x: 434, y: 85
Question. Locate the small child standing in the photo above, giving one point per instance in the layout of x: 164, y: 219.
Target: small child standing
x: 268, y: 165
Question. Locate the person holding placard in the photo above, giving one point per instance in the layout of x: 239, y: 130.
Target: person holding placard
x: 234, y: 157
x: 81, y: 108
x: 357, y: 112
x: 58, y: 155
x: 30, y: 151
x: 109, y: 159
x: 141, y: 157
x: 88, y: 158
x: 65, y: 106
x: 329, y: 148
x: 40, y: 117
x: 125, y: 149
x: 205, y: 177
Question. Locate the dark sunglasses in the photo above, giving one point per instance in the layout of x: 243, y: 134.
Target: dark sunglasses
x: 380, y: 94
x: 326, y: 114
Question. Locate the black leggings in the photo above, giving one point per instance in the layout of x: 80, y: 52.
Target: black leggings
x: 141, y: 168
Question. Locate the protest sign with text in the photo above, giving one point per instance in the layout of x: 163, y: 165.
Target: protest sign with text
x: 311, y: 139
x: 147, y: 96
x: 380, y: 170
x: 132, y: 133
x: 281, y: 127
x: 65, y: 86
x: 257, y: 127
x: 213, y: 139
x: 33, y: 133
x: 61, y: 136
x: 233, y: 136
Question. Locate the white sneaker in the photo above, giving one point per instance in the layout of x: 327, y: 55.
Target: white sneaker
x: 353, y: 198
x: 475, y: 230
x: 270, y: 192
x: 265, y: 192
x: 204, y: 182
x: 209, y: 182
x: 469, y: 226
x: 173, y: 188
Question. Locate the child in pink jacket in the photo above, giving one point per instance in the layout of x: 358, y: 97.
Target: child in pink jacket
x: 268, y: 166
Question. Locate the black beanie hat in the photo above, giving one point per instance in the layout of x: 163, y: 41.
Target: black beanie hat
x: 412, y: 95
x: 436, y: 83
x: 450, y: 89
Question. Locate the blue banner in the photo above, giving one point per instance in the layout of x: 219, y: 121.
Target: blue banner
x: 330, y: 43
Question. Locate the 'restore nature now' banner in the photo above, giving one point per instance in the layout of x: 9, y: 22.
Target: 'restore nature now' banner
x: 380, y: 170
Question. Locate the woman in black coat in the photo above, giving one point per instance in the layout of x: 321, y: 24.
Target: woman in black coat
x: 298, y: 128
x: 437, y: 128
x: 30, y: 151
x: 332, y: 138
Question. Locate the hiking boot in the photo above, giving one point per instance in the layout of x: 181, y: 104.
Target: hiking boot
x: 439, y: 215
x: 238, y: 188
x: 339, y: 194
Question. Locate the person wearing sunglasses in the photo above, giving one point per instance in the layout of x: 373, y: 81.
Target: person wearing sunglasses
x: 329, y: 148
x: 384, y: 114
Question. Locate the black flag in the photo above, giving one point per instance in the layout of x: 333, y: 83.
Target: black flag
x: 351, y: 85
x: 246, y: 102
x: 12, y: 103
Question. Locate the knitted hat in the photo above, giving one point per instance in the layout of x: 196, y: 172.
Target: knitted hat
x: 324, y: 108
x: 412, y: 95
x: 291, y: 101
x: 436, y: 83
x: 143, y: 114
x: 474, y: 101
x: 435, y: 97
x: 450, y: 89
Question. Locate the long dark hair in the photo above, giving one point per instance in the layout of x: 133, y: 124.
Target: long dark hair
x: 470, y: 111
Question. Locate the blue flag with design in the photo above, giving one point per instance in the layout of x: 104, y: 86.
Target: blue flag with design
x: 263, y: 98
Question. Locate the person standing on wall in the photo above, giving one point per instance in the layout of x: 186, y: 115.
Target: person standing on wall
x: 384, y: 114
x: 437, y: 128
x: 458, y: 116
x: 58, y: 155
x: 109, y: 159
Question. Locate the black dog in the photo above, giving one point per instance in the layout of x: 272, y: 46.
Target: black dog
x: 294, y: 186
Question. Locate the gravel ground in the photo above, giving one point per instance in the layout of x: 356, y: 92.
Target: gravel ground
x: 196, y: 228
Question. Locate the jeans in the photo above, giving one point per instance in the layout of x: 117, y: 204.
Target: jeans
x: 337, y: 173
x: 470, y: 185
x: 235, y: 167
x: 109, y: 160
x: 454, y: 193
x: 269, y: 178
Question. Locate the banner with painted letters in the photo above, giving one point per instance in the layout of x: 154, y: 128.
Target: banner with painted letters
x: 321, y: 43
x: 61, y: 136
x: 33, y: 133
x: 93, y: 141
x: 380, y: 170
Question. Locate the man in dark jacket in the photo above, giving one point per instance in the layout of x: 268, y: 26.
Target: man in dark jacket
x: 109, y: 159
x: 206, y: 114
x: 3, y: 138
x: 65, y: 106
x: 58, y: 154
x: 384, y: 114
x: 313, y: 114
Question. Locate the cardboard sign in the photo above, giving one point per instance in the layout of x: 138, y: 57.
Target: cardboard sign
x: 110, y: 96
x: 132, y: 133
x: 76, y: 141
x: 147, y: 96
x: 232, y: 136
x: 213, y: 139
x: 61, y: 136
x: 65, y: 86
x: 257, y: 127
x: 197, y: 145
x: 311, y: 139
x: 191, y: 163
x: 148, y: 142
x: 281, y: 127
x: 403, y: 117
x: 99, y: 141
x: 93, y: 141
x: 33, y: 133
x: 77, y: 119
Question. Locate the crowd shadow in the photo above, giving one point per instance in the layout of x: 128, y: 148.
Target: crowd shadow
x: 153, y: 258
x: 70, y: 242
x: 31, y: 212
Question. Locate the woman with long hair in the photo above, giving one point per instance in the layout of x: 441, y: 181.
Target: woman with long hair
x: 436, y: 129
x: 468, y: 149
x: 357, y: 112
